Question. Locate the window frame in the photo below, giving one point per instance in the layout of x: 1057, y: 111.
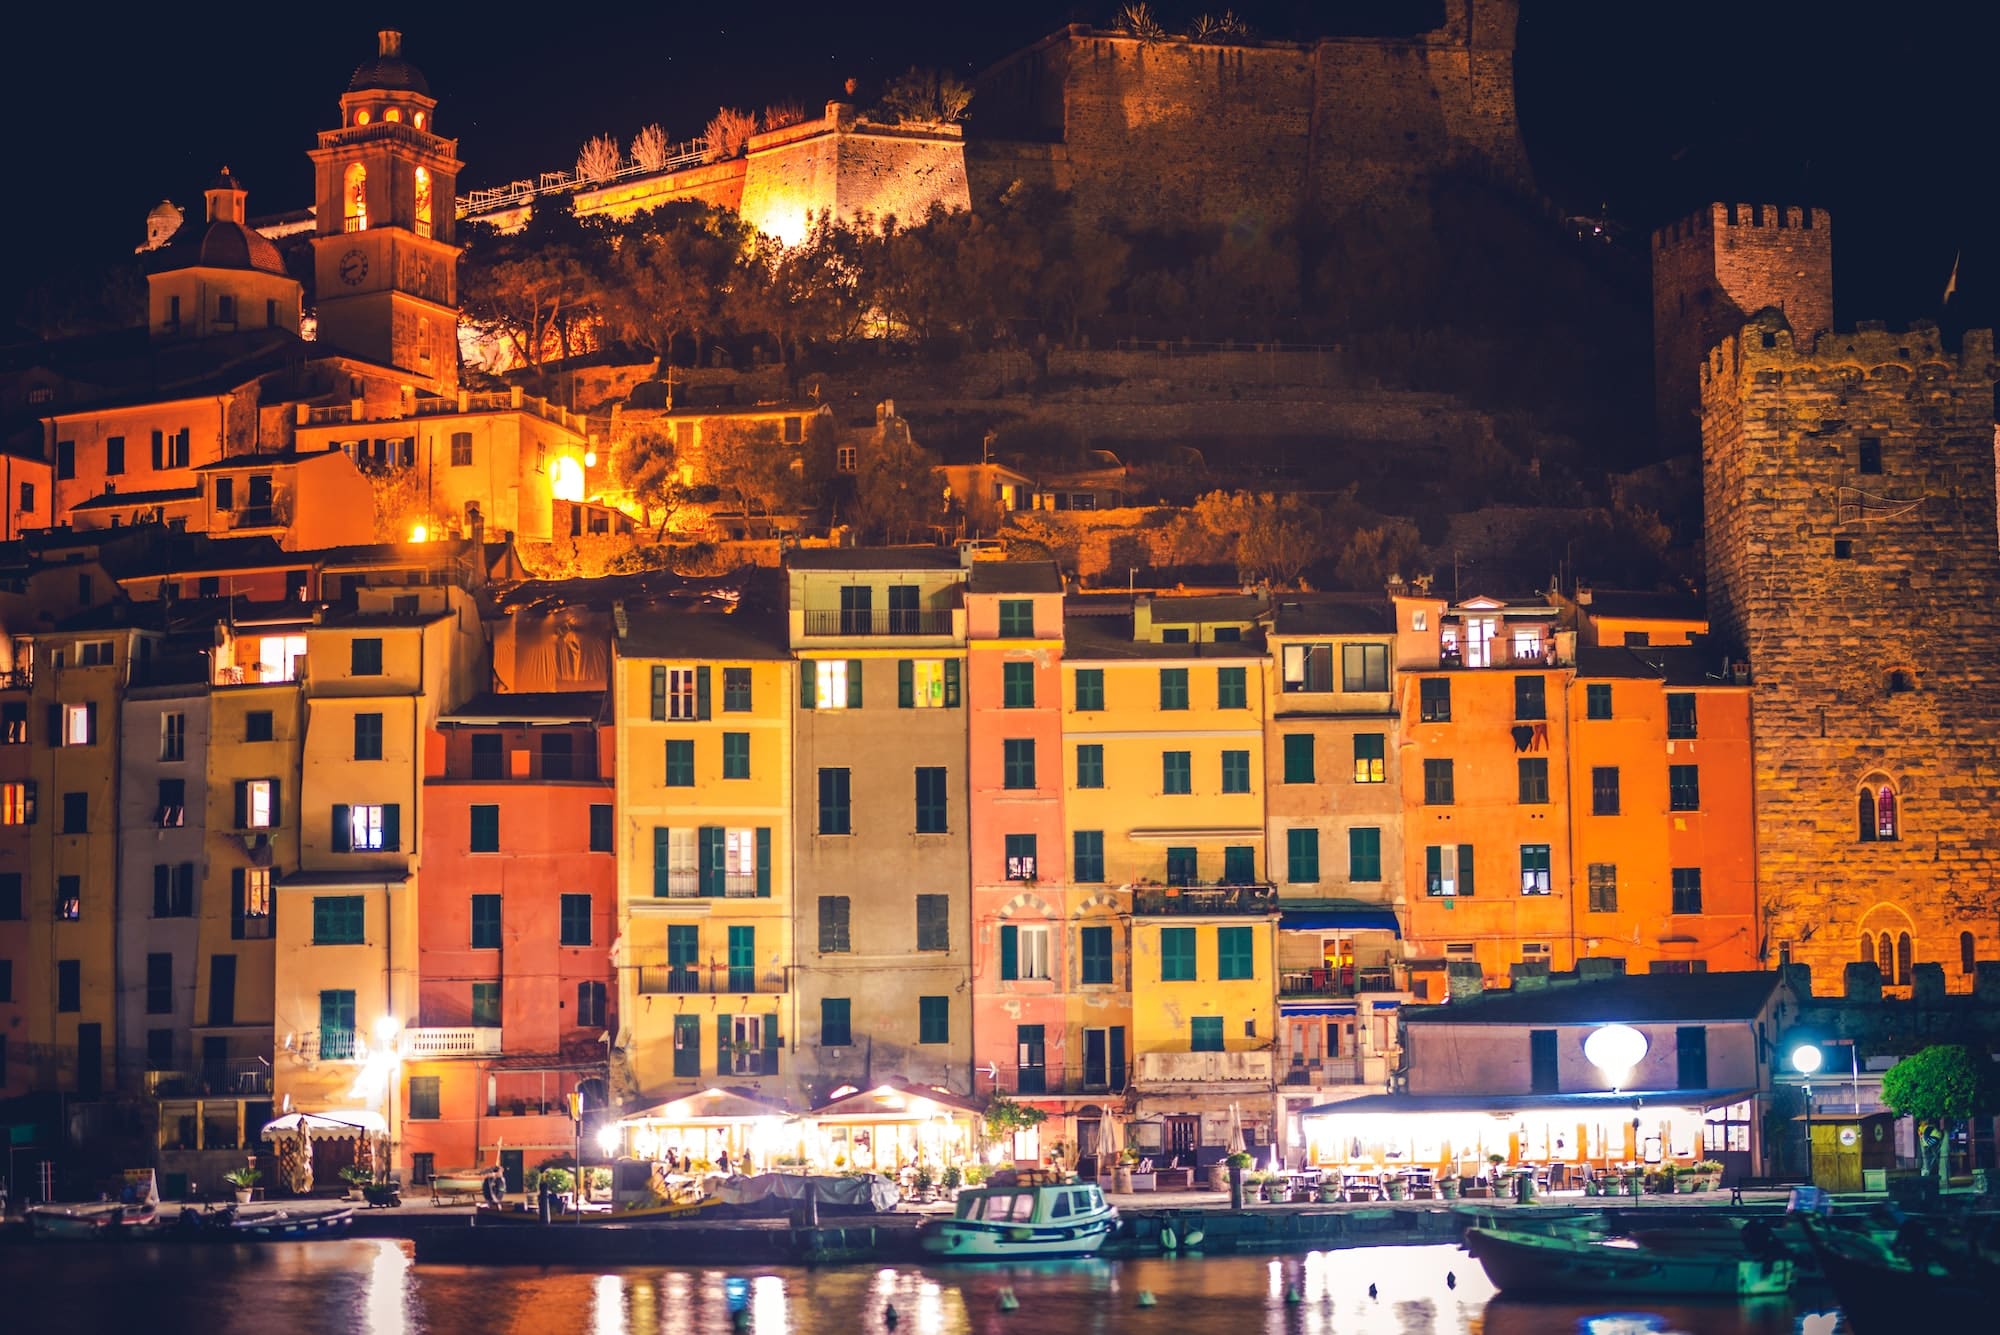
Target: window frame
x: 1176, y: 768
x: 1089, y: 690
x: 575, y: 914
x: 1434, y: 699
x: 1684, y: 787
x: 1179, y: 957
x: 1536, y: 876
x: 1364, y: 668
x: 1440, y: 782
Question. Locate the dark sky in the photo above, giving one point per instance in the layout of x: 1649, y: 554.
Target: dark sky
x: 1882, y: 112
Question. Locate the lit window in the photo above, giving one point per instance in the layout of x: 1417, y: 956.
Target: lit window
x: 362, y: 117
x: 364, y: 828
x: 257, y: 805
x: 830, y: 683
x: 393, y: 115
x: 740, y: 874
x: 926, y: 683
x: 278, y: 657
x: 76, y: 721
x: 17, y: 803
x: 681, y: 701
x: 354, y: 195
x: 418, y: 120
x: 845, y: 459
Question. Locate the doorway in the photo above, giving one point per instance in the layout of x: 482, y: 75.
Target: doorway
x: 1183, y: 1136
x: 512, y: 1168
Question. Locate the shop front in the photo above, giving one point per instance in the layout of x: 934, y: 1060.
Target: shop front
x: 892, y: 1127
x: 750, y: 1133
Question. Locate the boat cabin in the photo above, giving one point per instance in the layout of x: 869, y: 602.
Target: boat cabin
x: 1030, y: 1205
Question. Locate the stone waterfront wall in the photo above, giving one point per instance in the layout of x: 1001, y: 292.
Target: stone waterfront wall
x: 1713, y: 270
x: 1171, y: 132
x: 1866, y: 607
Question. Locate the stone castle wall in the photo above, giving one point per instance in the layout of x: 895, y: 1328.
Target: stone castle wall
x: 853, y: 170
x: 1713, y: 270
x: 1173, y: 132
x: 1834, y: 581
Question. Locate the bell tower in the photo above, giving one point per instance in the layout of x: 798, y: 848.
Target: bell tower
x: 384, y: 258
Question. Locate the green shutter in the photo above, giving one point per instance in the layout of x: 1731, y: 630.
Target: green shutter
x: 807, y: 679
x: 951, y: 691
x: 854, y: 683
x: 242, y: 804
x: 906, y: 684
x: 712, y: 856
x: 701, y: 696
x: 770, y: 1045
x: 659, y: 693
x: 1465, y: 869
x: 1010, y: 953
x: 764, y: 861
x: 392, y: 827
x: 723, y: 1037
x: 340, y: 827
x: 662, y: 857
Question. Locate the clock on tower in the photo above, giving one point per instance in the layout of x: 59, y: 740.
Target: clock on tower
x: 385, y: 262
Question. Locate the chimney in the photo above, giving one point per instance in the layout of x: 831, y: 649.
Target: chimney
x: 618, y: 617
x: 476, y: 522
x: 1529, y: 975
x: 1463, y: 980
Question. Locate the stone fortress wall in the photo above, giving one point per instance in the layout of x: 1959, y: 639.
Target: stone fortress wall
x: 1711, y: 271
x: 1868, y: 605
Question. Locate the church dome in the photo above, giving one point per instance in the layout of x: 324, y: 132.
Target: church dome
x: 388, y: 71
x: 222, y: 245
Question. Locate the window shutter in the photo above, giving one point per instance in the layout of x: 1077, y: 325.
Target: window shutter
x: 277, y: 805
x: 1465, y: 869
x: 771, y: 1045
x: 659, y: 710
x: 807, y: 678
x: 29, y: 791
x: 662, y: 859
x: 1010, y: 953
x: 764, y: 861
x: 162, y: 896
x: 854, y: 683
x: 90, y: 722
x: 392, y: 832
x: 723, y: 1037
x: 906, y: 684
x: 714, y: 860
x: 159, y: 449
x: 55, y: 725
x: 951, y: 669
x: 242, y: 804
x: 1118, y: 1056
x: 701, y: 697
x: 236, y: 893
x: 340, y: 828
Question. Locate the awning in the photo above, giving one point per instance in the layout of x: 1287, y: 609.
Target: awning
x: 340, y: 1124
x: 895, y: 1101
x: 1595, y: 1100
x: 710, y: 1107
x: 1361, y: 918
x: 1287, y: 1008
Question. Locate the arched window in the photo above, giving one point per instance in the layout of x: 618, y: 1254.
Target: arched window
x: 1867, y: 947
x: 1903, y: 953
x: 393, y: 115
x: 1885, y: 812
x: 1877, y: 817
x: 362, y: 117
x: 1866, y: 820
x: 418, y: 120
x: 354, y: 199
x: 1968, y: 953
x: 423, y: 201
x: 1885, y: 957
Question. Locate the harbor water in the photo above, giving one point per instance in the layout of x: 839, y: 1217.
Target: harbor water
x: 372, y: 1287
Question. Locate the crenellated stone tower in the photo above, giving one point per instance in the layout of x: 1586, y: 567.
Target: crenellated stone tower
x: 1853, y: 558
x: 385, y: 264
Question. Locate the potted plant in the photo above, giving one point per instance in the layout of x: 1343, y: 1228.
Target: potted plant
x: 1277, y: 1188
x: 1710, y: 1171
x: 954, y: 1177
x: 1448, y: 1186
x: 921, y: 1183
x: 356, y: 1177
x: 1236, y: 1165
x: 1121, y: 1176
x: 244, y: 1180
x: 563, y: 1183
x: 1398, y: 1188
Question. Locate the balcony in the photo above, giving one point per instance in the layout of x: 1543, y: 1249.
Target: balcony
x: 1030, y: 1082
x: 1175, y: 901
x: 255, y: 516
x: 426, y: 1044
x: 887, y: 621
x: 1499, y: 654
x: 1337, y: 1071
x: 1186, y: 1070
x: 1347, y: 982
x: 17, y: 679
x: 702, y: 980
x: 246, y: 1078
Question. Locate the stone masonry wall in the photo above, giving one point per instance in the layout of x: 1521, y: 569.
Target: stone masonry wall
x: 1832, y: 580
x: 1713, y: 270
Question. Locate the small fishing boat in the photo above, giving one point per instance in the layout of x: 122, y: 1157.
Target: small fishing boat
x: 290, y: 1225
x: 1529, y: 1263
x: 1017, y: 1223
x: 92, y: 1221
x: 1884, y: 1285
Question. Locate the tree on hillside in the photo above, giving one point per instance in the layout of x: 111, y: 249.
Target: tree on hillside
x: 728, y: 133
x: 925, y: 97
x: 536, y: 292
x: 648, y: 469
x: 805, y: 293
x: 1943, y: 1084
x: 1265, y: 536
x: 675, y: 272
x: 752, y: 470
x: 1378, y: 551
x: 898, y: 492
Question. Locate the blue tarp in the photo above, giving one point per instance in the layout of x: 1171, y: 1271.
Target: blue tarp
x: 1358, y: 918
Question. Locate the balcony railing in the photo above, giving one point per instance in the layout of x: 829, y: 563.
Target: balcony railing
x: 1501, y: 655
x: 480, y: 1041
x: 247, y: 1078
x: 17, y: 679
x: 882, y: 621
x: 701, y: 979
x: 1200, y: 900
x: 1335, y: 1071
x: 256, y: 516
x: 1330, y: 982
x: 1204, y: 1068
x: 1055, y: 1078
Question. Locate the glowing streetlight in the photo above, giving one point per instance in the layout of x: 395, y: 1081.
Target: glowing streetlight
x: 1806, y: 1060
x: 420, y: 533
x: 607, y: 1140
x: 1615, y: 1049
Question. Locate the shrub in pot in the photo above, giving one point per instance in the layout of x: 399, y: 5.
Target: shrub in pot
x: 356, y: 1178
x: 244, y: 1180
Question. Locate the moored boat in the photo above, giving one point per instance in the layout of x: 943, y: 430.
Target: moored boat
x: 1017, y: 1223
x: 90, y: 1221
x: 1527, y: 1263
x: 1884, y: 1285
x: 287, y: 1225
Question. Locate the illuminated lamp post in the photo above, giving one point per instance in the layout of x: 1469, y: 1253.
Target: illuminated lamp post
x: 1615, y: 1050
x: 1806, y: 1060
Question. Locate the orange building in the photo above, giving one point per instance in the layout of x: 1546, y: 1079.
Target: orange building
x: 1485, y: 751
x: 514, y: 988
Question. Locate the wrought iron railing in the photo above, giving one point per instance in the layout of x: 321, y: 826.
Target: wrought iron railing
x: 880, y: 621
x: 1201, y: 900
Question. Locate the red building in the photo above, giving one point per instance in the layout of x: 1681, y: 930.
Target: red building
x: 519, y: 887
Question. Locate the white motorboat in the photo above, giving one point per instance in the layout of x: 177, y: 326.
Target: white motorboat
x: 1018, y: 1223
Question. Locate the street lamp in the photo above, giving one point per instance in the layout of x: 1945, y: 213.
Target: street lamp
x: 1806, y: 1060
x: 1615, y: 1049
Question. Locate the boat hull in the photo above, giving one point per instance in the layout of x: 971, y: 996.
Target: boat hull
x: 967, y: 1240
x: 103, y: 1223
x: 286, y: 1227
x: 1532, y: 1264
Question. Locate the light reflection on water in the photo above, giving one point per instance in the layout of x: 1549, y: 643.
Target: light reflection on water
x: 372, y: 1287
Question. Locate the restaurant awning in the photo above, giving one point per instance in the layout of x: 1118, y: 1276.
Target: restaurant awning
x: 1358, y: 918
x: 895, y: 1101
x: 1597, y: 1100
x: 339, y: 1124
x: 711, y: 1106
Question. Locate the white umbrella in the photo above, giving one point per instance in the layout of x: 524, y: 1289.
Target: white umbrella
x: 1107, y: 1141
x: 1235, y: 1129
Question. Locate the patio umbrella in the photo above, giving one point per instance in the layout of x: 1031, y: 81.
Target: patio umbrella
x: 1235, y: 1129
x: 1107, y: 1140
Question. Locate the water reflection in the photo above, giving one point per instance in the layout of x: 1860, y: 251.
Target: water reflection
x: 370, y: 1286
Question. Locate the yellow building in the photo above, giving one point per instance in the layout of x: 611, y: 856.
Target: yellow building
x: 704, y: 780
x: 377, y: 679
x: 1164, y: 729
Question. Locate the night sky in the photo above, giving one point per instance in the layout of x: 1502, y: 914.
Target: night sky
x: 1883, y: 113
